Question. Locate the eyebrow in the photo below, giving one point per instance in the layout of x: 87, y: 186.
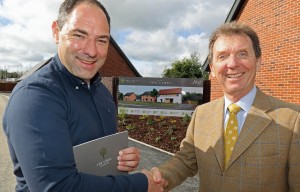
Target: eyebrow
x: 86, y: 33
x: 80, y: 31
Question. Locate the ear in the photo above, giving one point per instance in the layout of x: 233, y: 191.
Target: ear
x: 55, y: 31
x: 212, y: 71
x: 258, y: 64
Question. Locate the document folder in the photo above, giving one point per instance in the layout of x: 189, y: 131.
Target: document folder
x: 99, y: 156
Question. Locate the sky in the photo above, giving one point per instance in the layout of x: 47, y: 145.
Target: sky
x: 151, y: 33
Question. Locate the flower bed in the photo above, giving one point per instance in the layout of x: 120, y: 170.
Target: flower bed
x: 160, y: 131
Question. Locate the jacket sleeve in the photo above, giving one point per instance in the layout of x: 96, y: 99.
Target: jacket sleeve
x: 35, y: 123
x: 294, y: 158
x: 184, y: 163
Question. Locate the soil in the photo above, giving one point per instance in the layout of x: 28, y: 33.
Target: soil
x: 162, y: 132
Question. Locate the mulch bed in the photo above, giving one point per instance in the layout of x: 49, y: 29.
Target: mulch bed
x: 162, y: 132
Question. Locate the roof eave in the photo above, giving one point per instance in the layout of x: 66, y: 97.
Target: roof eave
x: 125, y: 57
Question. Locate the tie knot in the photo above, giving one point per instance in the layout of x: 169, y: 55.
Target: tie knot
x: 234, y: 108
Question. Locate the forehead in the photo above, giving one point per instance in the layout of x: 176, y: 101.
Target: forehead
x: 88, y: 15
x: 232, y: 42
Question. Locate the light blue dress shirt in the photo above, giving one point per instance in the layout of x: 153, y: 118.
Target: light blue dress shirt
x: 245, y: 103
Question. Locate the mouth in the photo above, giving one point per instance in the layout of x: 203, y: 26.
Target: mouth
x: 86, y: 62
x: 234, y: 76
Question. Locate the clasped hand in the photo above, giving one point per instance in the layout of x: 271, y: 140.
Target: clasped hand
x: 156, y: 182
x: 128, y: 160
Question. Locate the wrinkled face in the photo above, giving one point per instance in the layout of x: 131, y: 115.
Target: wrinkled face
x: 83, y: 41
x: 234, y: 65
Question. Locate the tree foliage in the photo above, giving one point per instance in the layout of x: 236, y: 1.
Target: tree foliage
x: 188, y: 67
x: 5, y: 74
x: 154, y: 93
x: 120, y: 95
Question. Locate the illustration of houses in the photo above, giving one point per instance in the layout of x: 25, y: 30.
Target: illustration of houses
x: 170, y: 95
x: 138, y: 98
x: 131, y: 96
x: 146, y: 97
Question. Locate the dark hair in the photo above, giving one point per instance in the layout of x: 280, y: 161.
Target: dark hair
x: 234, y: 28
x: 69, y: 5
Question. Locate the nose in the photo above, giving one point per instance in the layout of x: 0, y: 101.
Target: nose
x: 90, y: 48
x: 232, y: 61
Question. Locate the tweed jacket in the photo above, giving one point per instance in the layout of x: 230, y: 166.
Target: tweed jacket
x: 265, y: 158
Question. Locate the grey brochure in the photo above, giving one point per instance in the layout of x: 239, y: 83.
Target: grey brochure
x: 99, y: 156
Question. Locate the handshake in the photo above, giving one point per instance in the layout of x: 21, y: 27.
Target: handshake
x: 155, y: 180
x: 129, y: 159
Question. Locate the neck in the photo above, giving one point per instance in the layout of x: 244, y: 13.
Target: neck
x: 236, y: 97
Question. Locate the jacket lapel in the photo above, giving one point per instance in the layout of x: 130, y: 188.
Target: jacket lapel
x: 256, y: 122
x: 218, y: 132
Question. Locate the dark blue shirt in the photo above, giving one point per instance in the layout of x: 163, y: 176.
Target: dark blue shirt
x: 47, y: 114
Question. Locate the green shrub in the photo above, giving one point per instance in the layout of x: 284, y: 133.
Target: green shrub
x: 150, y: 122
x: 186, y: 119
x: 130, y: 127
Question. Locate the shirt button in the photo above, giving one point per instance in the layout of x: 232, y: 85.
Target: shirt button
x: 108, y: 110
x: 77, y: 87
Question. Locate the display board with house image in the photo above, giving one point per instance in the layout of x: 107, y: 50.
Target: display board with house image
x: 159, y: 96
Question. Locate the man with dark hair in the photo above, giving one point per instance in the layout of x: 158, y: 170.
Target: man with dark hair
x: 65, y: 104
x: 246, y: 140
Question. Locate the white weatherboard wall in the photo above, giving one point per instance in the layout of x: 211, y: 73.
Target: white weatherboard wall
x: 176, y: 98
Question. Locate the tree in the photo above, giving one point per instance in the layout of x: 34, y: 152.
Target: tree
x: 154, y: 93
x: 5, y: 74
x: 188, y: 67
x: 120, y: 96
x: 103, y: 152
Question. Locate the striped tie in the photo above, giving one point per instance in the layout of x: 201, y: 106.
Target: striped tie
x: 231, y: 132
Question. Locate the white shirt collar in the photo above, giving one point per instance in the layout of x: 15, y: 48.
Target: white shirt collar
x: 245, y: 102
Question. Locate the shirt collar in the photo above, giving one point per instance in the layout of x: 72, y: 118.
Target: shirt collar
x: 245, y: 102
x: 77, y: 81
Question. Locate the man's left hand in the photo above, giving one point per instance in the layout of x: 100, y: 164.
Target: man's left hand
x: 129, y: 159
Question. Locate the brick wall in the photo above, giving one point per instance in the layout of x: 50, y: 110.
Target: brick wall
x: 115, y: 65
x: 7, y: 86
x: 277, y: 23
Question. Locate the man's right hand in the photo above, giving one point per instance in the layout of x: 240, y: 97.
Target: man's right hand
x: 156, y: 182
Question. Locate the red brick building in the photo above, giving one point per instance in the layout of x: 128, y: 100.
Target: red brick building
x: 277, y: 23
x: 146, y: 97
x: 129, y: 97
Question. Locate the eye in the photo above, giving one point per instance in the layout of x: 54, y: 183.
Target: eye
x: 78, y: 35
x: 103, y: 41
x: 242, y: 54
x: 221, y: 57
